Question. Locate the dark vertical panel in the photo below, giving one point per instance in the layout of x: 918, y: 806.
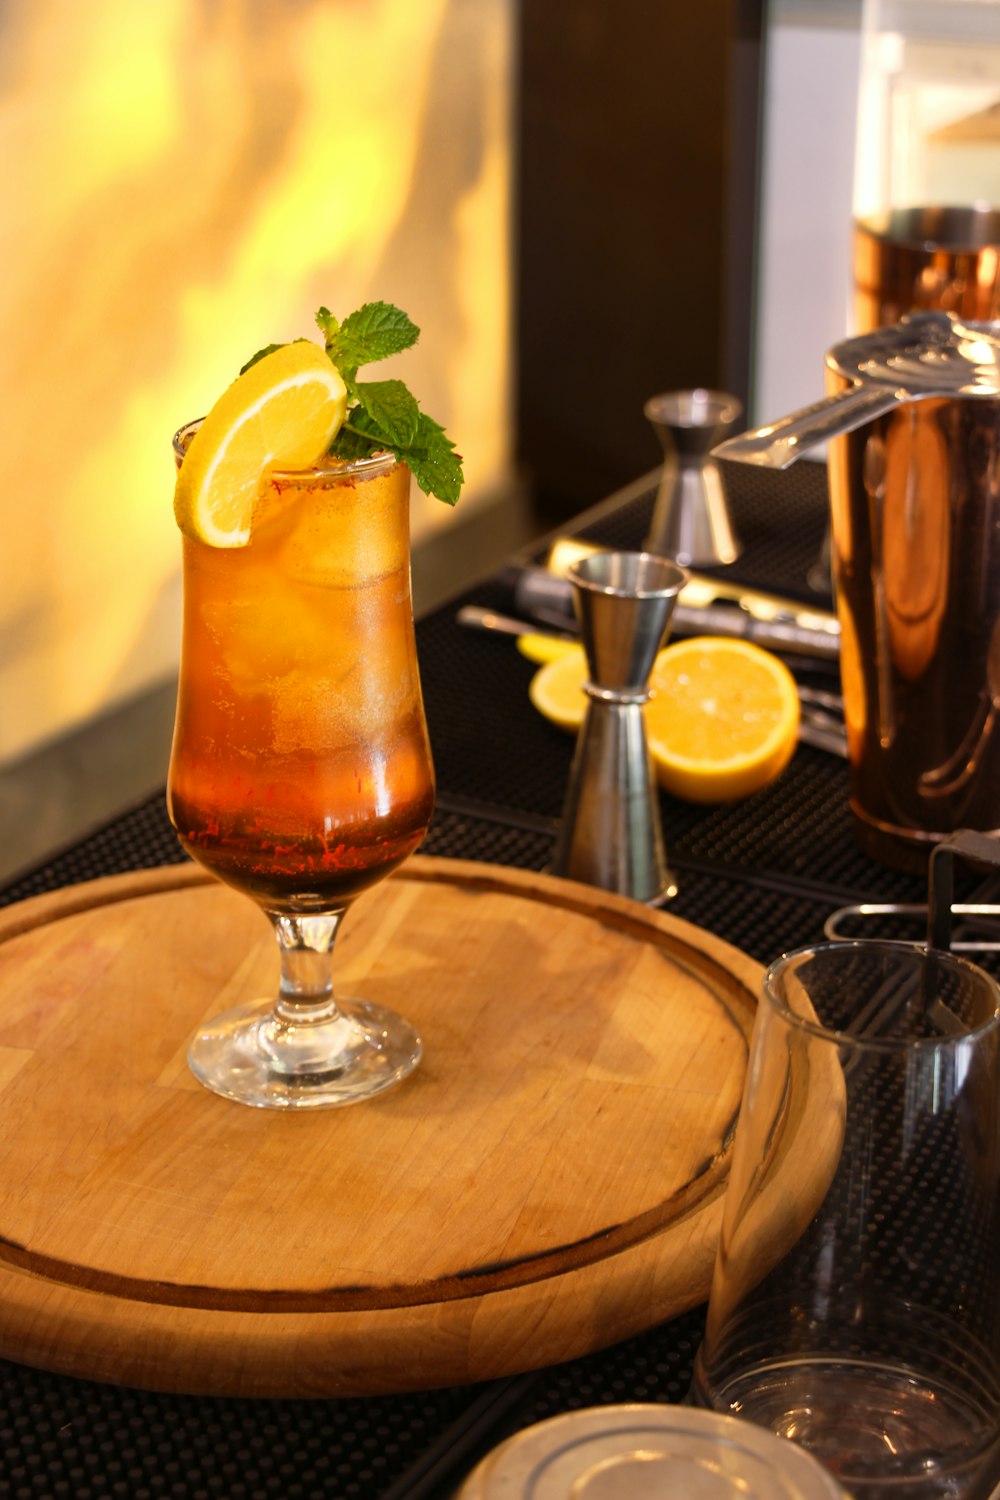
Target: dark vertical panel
x: 632, y: 183
x: 741, y: 187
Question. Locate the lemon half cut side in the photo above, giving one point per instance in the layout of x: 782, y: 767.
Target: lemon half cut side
x: 722, y: 723
x: 281, y: 413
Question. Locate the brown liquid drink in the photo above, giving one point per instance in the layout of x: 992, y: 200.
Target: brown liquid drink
x: 301, y: 771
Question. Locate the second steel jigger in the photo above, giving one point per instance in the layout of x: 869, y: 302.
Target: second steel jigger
x: 691, y: 516
x: 611, y: 835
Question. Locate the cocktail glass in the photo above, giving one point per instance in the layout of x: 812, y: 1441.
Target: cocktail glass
x: 301, y: 772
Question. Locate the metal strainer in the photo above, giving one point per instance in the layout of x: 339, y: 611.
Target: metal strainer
x: 927, y: 354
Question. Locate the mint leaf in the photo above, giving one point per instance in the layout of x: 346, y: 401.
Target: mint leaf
x: 435, y: 465
x: 431, y: 457
x: 392, y: 409
x: 379, y: 329
x: 374, y: 332
x: 327, y: 324
x: 354, y: 441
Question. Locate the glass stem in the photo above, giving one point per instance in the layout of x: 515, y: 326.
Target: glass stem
x: 305, y: 996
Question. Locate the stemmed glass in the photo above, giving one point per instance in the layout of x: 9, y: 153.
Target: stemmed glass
x: 301, y: 772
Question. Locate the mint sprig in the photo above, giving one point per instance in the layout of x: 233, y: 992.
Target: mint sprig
x: 383, y: 415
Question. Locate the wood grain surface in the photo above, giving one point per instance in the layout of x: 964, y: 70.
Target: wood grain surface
x: 548, y: 1182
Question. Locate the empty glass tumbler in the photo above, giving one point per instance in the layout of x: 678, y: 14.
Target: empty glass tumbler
x: 855, y: 1306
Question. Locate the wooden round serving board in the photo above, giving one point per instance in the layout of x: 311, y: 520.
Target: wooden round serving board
x: 548, y: 1182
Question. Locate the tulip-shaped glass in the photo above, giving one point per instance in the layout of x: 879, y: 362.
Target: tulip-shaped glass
x: 300, y: 772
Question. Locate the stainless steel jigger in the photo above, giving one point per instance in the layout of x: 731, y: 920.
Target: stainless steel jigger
x: 611, y: 835
x: 691, y: 517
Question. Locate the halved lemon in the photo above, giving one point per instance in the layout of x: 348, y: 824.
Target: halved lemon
x: 724, y: 718
x: 556, y: 689
x: 538, y: 647
x: 722, y: 723
x: 283, y: 412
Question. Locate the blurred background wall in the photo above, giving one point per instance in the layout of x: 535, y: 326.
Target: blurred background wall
x: 184, y: 181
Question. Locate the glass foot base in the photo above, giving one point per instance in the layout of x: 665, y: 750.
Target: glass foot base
x: 250, y: 1056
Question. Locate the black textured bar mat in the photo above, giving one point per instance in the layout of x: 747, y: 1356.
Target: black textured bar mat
x: 63, y: 1439
x: 139, y: 839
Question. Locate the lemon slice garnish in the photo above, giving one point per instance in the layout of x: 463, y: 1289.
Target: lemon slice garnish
x: 283, y: 412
